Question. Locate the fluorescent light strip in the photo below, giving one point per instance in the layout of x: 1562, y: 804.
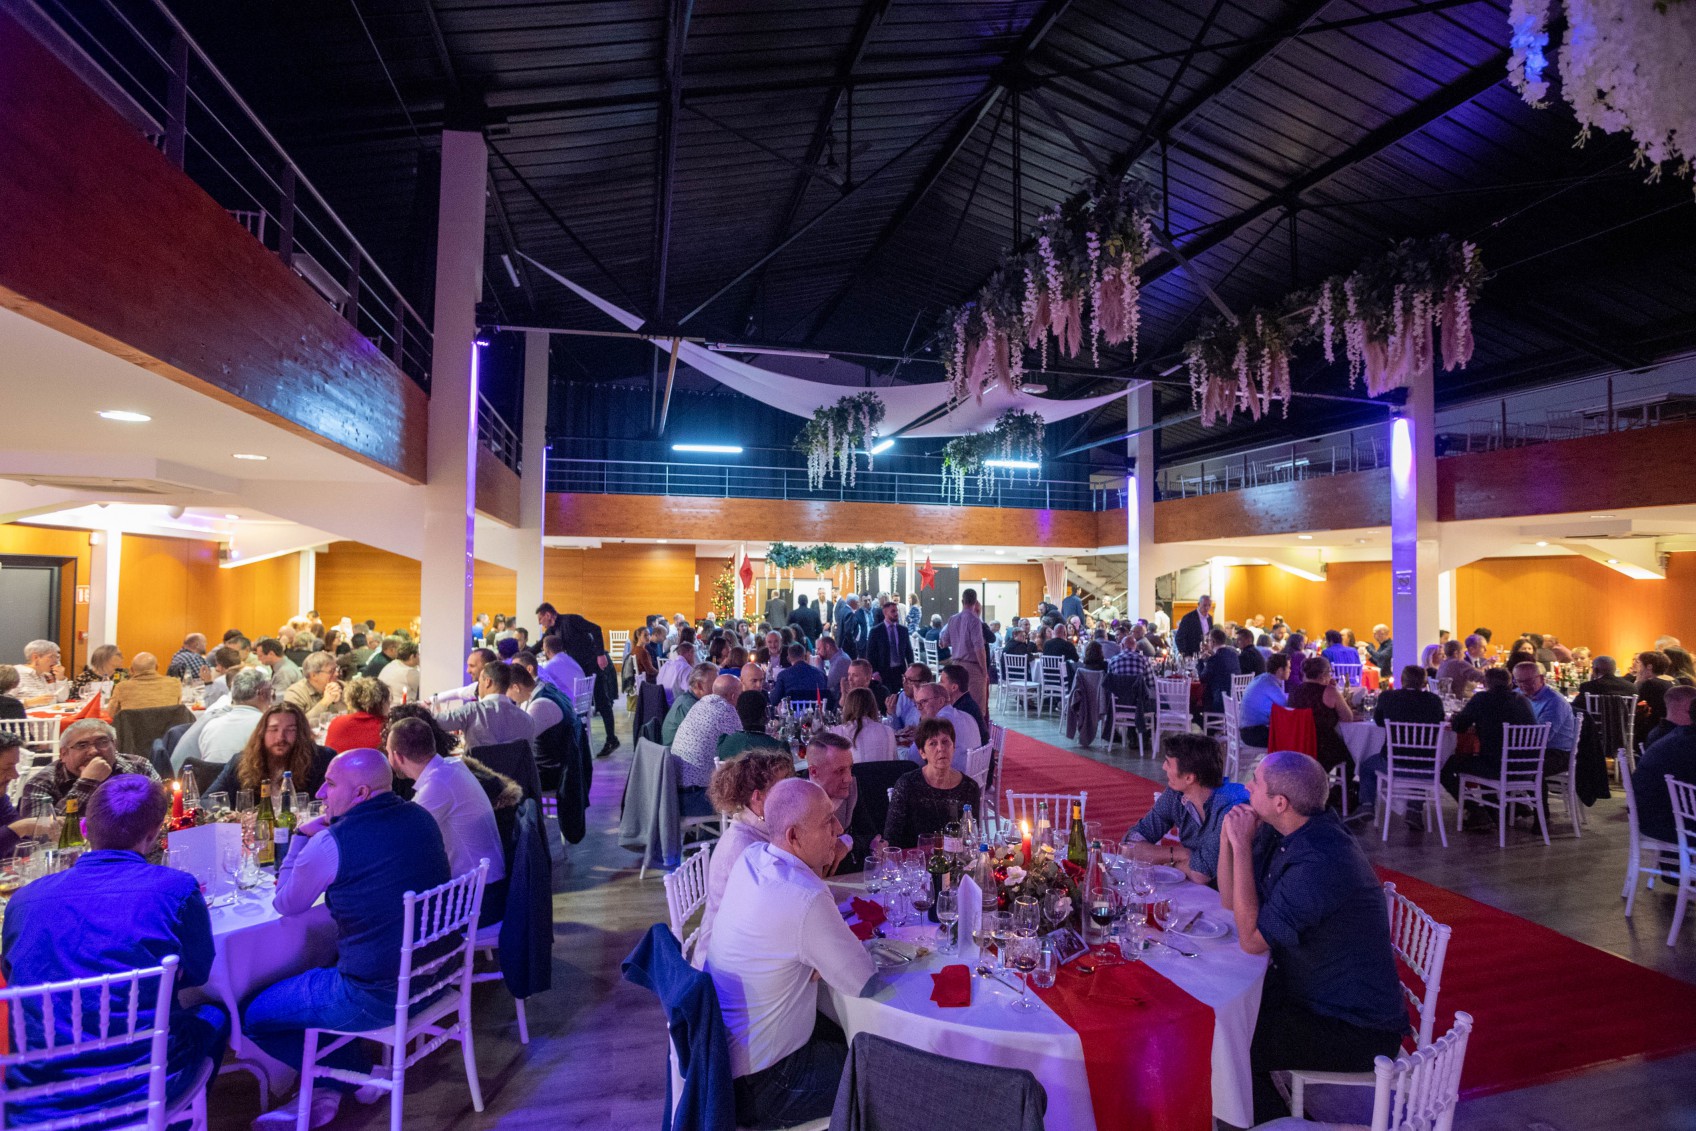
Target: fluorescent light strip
x: 125, y: 416
x: 1015, y: 464
x: 716, y: 449
x: 882, y: 446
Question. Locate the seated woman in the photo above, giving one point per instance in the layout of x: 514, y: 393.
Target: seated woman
x: 1295, y: 647
x: 1318, y: 693
x: 751, y: 708
x: 105, y: 664
x: 738, y: 790
x: 923, y: 803
x: 868, y: 735
x: 368, y: 708
x: 1094, y: 658
x: 733, y: 661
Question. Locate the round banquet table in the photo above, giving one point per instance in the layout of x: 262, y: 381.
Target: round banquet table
x: 1365, y: 739
x: 254, y: 948
x: 897, y: 1005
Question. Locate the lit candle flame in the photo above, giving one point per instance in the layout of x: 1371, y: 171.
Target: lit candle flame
x: 176, y: 787
x: 1025, y: 827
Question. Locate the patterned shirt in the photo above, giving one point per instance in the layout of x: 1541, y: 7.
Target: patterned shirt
x: 55, y: 784
x: 1132, y: 663
x: 187, y: 663
x: 695, y: 745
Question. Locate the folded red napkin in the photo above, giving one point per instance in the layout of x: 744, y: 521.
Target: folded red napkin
x: 868, y: 917
x: 952, y: 986
x: 91, y: 710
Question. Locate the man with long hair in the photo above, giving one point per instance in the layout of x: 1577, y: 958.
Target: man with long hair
x: 281, y: 741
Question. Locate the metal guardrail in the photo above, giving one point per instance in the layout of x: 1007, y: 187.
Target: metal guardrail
x: 497, y: 435
x: 141, y: 60
x: 742, y: 481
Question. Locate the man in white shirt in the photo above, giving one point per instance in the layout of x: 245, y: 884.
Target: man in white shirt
x: 833, y: 661
x: 559, y: 669
x: 492, y: 718
x: 41, y: 674
x: 473, y: 667
x: 933, y: 703
x: 285, y: 673
x: 695, y: 745
x: 543, y: 712
x: 776, y: 935
x: 674, y: 673
x: 450, y: 792
x: 222, y: 732
x: 227, y: 661
x: 400, y: 675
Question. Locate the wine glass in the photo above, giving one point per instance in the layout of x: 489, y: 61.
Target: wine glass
x: 1021, y: 953
x: 1000, y: 927
x: 1056, y: 906
x: 1027, y: 917
x: 921, y: 896
x: 1047, y: 967
x: 948, y: 914
x: 1162, y: 914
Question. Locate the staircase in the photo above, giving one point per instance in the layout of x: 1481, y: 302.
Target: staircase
x: 1101, y: 580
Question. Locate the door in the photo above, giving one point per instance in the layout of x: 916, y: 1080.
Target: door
x: 1000, y: 601
x: 29, y: 603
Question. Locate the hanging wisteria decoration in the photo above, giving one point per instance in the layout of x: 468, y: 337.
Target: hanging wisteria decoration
x: 1016, y: 438
x: 1075, y: 285
x: 838, y: 434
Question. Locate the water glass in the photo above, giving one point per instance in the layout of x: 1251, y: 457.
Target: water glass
x: 216, y: 804
x: 244, y: 801
x: 1000, y: 928
x: 897, y: 905
x: 948, y: 914
x: 1047, y: 967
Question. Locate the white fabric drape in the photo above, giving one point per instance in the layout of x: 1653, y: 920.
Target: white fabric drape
x: 1054, y: 578
x: 903, y: 404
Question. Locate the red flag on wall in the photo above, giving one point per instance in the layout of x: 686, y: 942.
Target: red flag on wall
x: 746, y: 573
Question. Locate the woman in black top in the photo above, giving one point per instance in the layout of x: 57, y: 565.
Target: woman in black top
x: 923, y: 803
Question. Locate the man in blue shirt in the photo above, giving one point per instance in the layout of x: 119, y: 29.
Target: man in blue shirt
x: 800, y: 679
x: 1551, y: 707
x: 902, y: 708
x: 1302, y: 890
x: 362, y: 857
x: 1263, y: 693
x: 111, y: 912
x: 1194, y: 805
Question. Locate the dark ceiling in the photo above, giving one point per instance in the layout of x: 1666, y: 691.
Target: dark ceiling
x: 836, y: 173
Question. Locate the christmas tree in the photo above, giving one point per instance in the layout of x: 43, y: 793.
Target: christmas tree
x: 724, y: 595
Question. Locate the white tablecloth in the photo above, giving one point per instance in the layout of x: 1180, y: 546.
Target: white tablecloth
x: 1367, y: 739
x: 989, y: 1031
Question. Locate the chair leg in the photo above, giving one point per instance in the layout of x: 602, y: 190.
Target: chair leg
x: 1632, y: 863
x: 1436, y: 803
x: 397, y: 1090
x: 1678, y: 908
x: 469, y: 1054
x: 1502, y: 823
x: 303, y: 1102
x: 1542, y: 807
x: 523, y: 1022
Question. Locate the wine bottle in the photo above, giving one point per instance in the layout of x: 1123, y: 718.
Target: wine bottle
x: 1042, y: 826
x: 939, y: 865
x: 70, y: 833
x: 1077, y: 851
x: 264, y: 828
x: 287, y: 819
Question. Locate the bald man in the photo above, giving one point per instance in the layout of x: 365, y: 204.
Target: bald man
x: 369, y: 849
x: 145, y: 688
x: 777, y: 934
x: 695, y: 745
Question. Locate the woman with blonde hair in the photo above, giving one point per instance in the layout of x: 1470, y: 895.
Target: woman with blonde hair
x: 738, y: 790
x: 868, y: 735
x: 368, y: 705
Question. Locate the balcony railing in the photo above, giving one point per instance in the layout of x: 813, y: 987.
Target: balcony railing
x: 138, y: 57
x: 743, y: 481
x: 497, y: 435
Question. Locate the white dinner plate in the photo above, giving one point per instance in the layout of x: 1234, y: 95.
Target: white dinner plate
x: 891, y: 954
x: 1164, y: 874
x: 1204, y: 928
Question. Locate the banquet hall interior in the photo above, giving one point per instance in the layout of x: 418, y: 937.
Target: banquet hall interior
x: 712, y: 455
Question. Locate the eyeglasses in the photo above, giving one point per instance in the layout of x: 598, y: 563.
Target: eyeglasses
x: 100, y: 743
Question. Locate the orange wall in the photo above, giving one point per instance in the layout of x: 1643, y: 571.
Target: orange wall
x: 49, y: 542
x: 616, y: 586
x: 1578, y: 600
x: 170, y: 587
x: 1354, y: 595
x: 364, y: 583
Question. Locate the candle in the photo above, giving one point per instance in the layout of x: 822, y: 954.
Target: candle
x: 176, y: 801
x: 1025, y: 845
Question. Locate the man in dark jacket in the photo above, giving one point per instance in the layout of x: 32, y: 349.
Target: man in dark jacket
x: 584, y: 643
x: 1216, y: 670
x: 1605, y: 680
x: 890, y: 647
x: 1194, y: 627
x: 1249, y: 659
x: 806, y: 619
x: 1486, y: 713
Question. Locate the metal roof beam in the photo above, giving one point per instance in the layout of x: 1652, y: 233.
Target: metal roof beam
x: 676, y: 37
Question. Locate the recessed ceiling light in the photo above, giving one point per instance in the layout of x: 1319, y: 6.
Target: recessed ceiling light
x: 125, y: 416
x: 1613, y: 561
x: 1542, y: 543
x: 233, y: 517
x: 249, y: 455
x: 1305, y: 537
x: 1601, y: 516
x: 1363, y: 541
x: 1001, y: 551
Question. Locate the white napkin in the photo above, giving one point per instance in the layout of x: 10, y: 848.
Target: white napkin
x: 971, y: 913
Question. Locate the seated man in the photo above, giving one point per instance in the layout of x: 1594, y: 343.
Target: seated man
x: 956, y: 684
x: 1675, y: 754
x: 469, y: 693
x: 1409, y: 703
x: 492, y: 718
x: 830, y: 766
x: 128, y: 915
x: 1605, y: 680
x: 700, y: 686
x: 933, y: 704
x: 1300, y: 887
x: 226, y: 662
x: 558, y: 668
x: 221, y: 732
x: 776, y: 935
x: 41, y: 678
x: 833, y: 661
x: 799, y: 679
x: 1249, y: 658
x: 401, y: 674
x: 1194, y: 805
x: 751, y: 708
x: 88, y: 755
x: 903, y: 707
x: 1486, y: 713
x: 861, y: 674
x: 1549, y: 706
x: 145, y: 687
x: 317, y: 693
x: 456, y: 799
x: 674, y: 673
x: 1263, y: 693
x: 696, y: 744
x: 1457, y: 669
x: 190, y: 662
x: 285, y: 673
x: 1219, y: 662
x: 362, y: 856
x: 378, y: 659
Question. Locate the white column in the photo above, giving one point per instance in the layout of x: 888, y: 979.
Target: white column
x: 106, y: 548
x: 1447, y: 614
x: 306, y: 582
x: 1217, y: 573
x: 532, y: 502
x: 1139, y: 503
x: 1413, y: 522
x: 912, y: 575
x: 450, y: 496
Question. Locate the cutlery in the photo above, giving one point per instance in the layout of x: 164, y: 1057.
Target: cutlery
x: 1188, y: 923
x: 1178, y: 950
x: 986, y: 972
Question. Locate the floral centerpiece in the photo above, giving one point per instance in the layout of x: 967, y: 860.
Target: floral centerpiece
x: 838, y: 434
x: 1045, y: 873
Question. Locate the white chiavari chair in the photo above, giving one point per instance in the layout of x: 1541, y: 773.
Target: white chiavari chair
x: 1233, y: 736
x: 1684, y: 823
x: 1418, y: 1091
x: 1051, y: 684
x: 1662, y: 854
x: 686, y: 893
x: 1410, y: 774
x: 1021, y: 809
x: 1564, y: 783
x: 979, y: 762
x: 1016, y: 687
x: 1239, y: 684
x: 1171, y: 707
x: 1519, y: 783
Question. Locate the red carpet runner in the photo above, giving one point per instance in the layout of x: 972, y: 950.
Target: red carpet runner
x: 1546, y: 1006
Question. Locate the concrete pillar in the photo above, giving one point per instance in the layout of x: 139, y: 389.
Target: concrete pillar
x: 1217, y: 574
x: 1139, y: 503
x: 1447, y: 614
x: 306, y: 582
x: 912, y: 575
x: 533, y: 485
x: 1413, y: 522
x: 450, y: 494
x: 106, y: 548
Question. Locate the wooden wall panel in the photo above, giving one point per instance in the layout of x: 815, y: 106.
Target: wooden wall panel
x: 1027, y: 574
x: 1593, y: 473
x: 494, y: 589
x: 50, y: 542
x: 1354, y: 595
x: 617, y: 586
x: 1340, y: 502
x: 257, y: 598
x: 362, y: 582
x: 655, y: 516
x: 498, y: 488
x: 103, y: 239
x: 1580, y: 601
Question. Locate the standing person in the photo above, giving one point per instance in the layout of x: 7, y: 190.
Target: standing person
x: 1071, y: 605
x: 805, y: 617
x: 1194, y: 627
x: 1382, y: 652
x: 890, y: 648
x: 777, y: 608
x: 963, y: 636
x: 584, y: 643
x: 1301, y: 889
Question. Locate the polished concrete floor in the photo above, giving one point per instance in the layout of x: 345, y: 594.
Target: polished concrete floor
x: 596, y: 1057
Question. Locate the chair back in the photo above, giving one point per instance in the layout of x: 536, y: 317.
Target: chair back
x: 876, y: 780
x: 139, y: 726
x: 1239, y: 684
x: 686, y: 893
x: 205, y: 773
x: 83, y: 1017
x: 583, y: 694
x: 978, y: 764
x: 1347, y: 674
x: 1616, y: 718
x: 1412, y: 749
x: 1021, y: 808
x: 1293, y: 729
x: 1015, y: 669
x: 1683, y: 796
x: 174, y: 736
x: 1172, y: 697
x: 517, y: 760
x: 1522, y: 751
x: 1419, y: 1091
x: 1053, y: 676
x: 930, y: 654
x: 1422, y: 944
x: 890, y: 1086
x: 1233, y: 710
x: 39, y: 736
x: 620, y: 644
x: 438, y: 941
x: 997, y: 737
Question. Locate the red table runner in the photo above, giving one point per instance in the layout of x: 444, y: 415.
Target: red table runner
x: 1148, y: 1047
